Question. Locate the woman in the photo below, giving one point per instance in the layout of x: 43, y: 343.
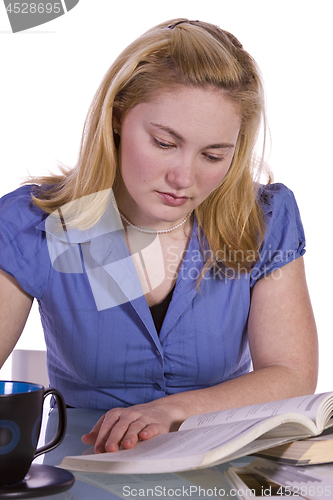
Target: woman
x: 172, y: 130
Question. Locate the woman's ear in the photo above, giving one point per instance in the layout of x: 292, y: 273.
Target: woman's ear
x: 116, y: 122
x: 116, y: 125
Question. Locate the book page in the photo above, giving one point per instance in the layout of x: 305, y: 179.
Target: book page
x: 179, y: 444
x: 260, y: 444
x: 305, y: 405
x: 168, y: 452
x: 181, y: 450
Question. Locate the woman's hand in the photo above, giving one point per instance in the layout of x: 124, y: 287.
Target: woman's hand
x: 125, y: 426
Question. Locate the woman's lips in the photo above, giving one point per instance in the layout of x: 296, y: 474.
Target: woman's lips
x: 173, y: 200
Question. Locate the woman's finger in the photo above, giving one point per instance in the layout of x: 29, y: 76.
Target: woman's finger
x: 91, y: 436
x: 127, y: 439
x: 152, y: 430
x: 100, y: 432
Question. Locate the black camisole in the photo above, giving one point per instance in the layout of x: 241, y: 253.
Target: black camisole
x: 159, y: 311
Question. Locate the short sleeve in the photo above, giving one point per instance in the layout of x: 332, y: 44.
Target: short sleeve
x: 284, y: 237
x: 23, y: 247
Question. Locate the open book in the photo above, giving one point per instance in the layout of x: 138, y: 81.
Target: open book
x: 214, y: 438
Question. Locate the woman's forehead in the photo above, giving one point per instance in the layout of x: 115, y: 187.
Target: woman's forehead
x: 189, y: 111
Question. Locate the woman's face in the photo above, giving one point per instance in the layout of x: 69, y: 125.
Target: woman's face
x: 174, y: 150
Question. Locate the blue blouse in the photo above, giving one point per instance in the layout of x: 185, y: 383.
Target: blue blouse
x: 105, y: 357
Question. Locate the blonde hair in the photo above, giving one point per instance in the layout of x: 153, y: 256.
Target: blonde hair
x: 188, y: 53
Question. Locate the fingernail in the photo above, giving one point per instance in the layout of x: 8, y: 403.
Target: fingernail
x: 111, y: 445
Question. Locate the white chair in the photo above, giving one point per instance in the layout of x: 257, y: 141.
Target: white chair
x: 30, y: 366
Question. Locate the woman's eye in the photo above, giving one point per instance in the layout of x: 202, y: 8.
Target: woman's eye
x: 163, y: 145
x: 214, y: 158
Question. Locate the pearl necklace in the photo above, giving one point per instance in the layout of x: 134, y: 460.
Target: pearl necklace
x: 153, y: 231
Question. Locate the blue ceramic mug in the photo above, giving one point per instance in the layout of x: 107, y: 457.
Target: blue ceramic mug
x: 21, y: 410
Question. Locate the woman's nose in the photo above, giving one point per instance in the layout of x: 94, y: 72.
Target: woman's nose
x: 182, y: 175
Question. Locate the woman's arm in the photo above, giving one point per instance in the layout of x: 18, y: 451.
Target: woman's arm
x: 283, y: 343
x: 15, y: 305
x: 282, y: 330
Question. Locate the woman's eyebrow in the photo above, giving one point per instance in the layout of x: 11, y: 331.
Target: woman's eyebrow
x: 181, y: 138
x: 169, y: 130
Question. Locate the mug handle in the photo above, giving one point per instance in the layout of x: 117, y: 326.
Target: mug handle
x: 62, y: 423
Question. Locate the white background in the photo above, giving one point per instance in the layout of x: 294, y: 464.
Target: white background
x: 50, y: 73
